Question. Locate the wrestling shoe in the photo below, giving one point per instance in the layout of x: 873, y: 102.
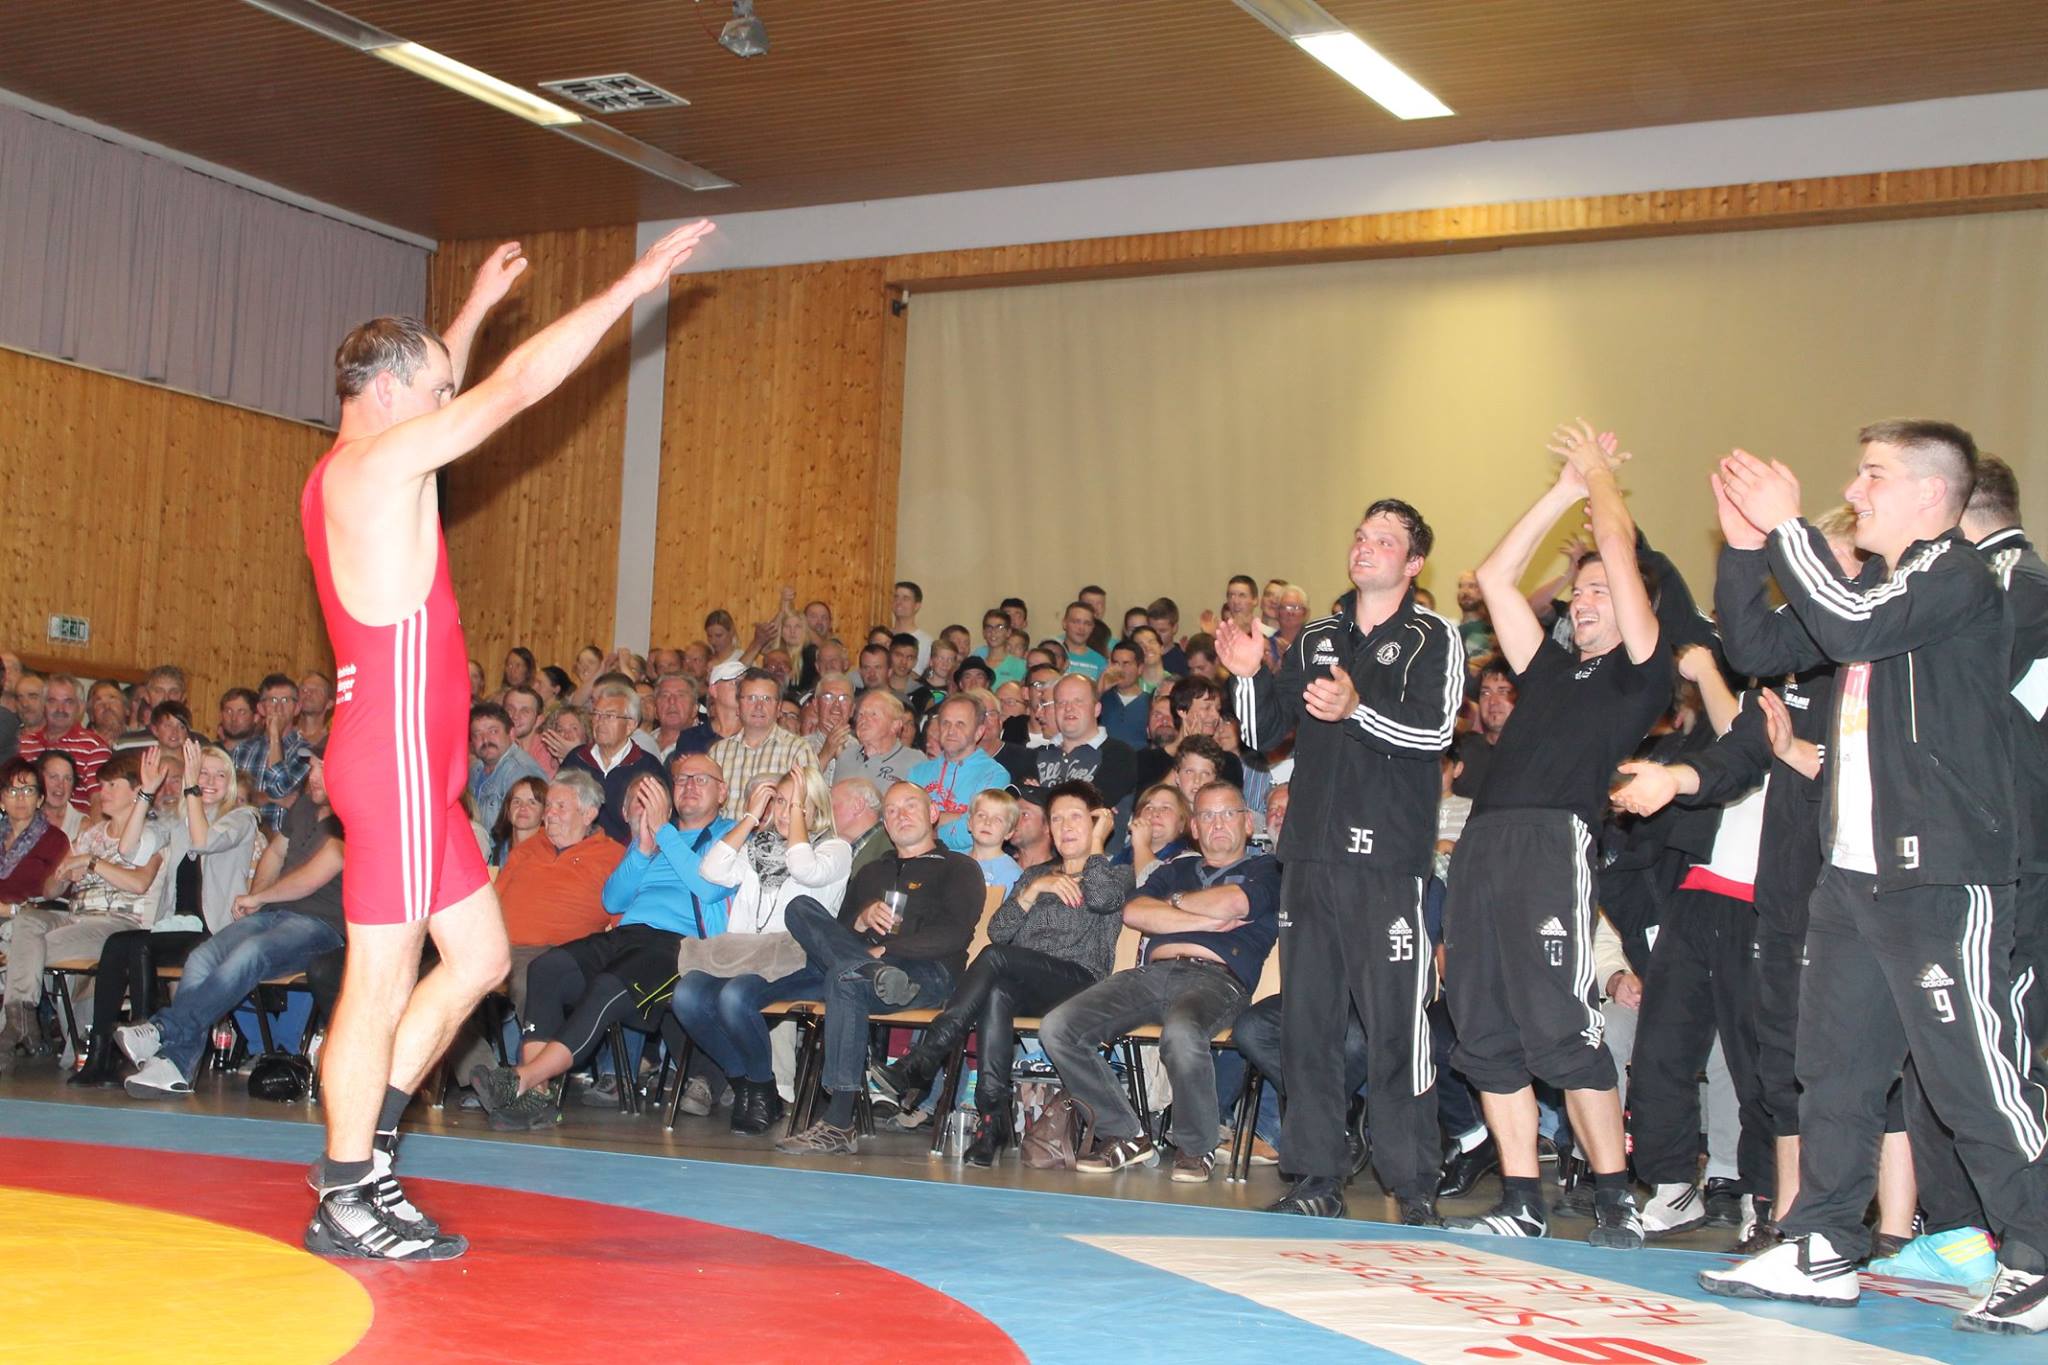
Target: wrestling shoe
x: 1962, y: 1256
x: 1420, y: 1213
x: 536, y: 1108
x: 1617, y: 1224
x: 1674, y: 1206
x: 1311, y: 1197
x: 1803, y: 1270
x: 1517, y: 1219
x: 494, y: 1086
x: 139, y: 1042
x: 2016, y: 1306
x: 347, y: 1223
x: 1725, y: 1203
x: 389, y: 1197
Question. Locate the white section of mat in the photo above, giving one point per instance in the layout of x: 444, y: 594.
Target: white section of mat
x: 1439, y: 1302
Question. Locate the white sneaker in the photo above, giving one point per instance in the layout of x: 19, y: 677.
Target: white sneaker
x: 2016, y: 1306
x: 1803, y: 1270
x: 696, y: 1096
x: 158, y: 1079
x: 1673, y: 1207
x: 139, y: 1042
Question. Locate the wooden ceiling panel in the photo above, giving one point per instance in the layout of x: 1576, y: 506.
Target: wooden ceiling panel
x: 863, y: 99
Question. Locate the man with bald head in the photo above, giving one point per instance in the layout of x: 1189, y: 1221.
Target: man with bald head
x: 879, y: 955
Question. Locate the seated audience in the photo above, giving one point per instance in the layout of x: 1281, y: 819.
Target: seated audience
x: 877, y: 955
x: 1054, y: 936
x: 495, y: 761
x: 762, y: 748
x: 1084, y: 751
x: 521, y: 817
x: 291, y: 915
x: 877, y: 751
x: 209, y: 854
x: 959, y: 771
x: 62, y: 729
x: 1159, y: 829
x: 577, y: 991
x: 991, y: 820
x: 525, y: 711
x: 274, y: 753
x: 32, y: 845
x: 60, y: 779
x: 618, y: 764
x: 782, y: 847
x: 1209, y: 923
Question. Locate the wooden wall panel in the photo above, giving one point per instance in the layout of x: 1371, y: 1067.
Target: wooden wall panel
x: 533, y: 515
x: 170, y: 521
x: 1988, y: 188
x: 778, y: 446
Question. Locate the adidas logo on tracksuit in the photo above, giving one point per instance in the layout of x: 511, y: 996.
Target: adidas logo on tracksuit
x: 1553, y: 928
x: 1934, y: 978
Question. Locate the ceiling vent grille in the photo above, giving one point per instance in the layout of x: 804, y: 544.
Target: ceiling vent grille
x: 619, y: 93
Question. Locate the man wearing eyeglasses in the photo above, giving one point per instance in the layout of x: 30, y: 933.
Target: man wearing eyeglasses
x: 761, y: 748
x: 613, y: 758
x: 1210, y: 922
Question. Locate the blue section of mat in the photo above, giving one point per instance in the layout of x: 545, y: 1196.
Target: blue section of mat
x: 1008, y: 1254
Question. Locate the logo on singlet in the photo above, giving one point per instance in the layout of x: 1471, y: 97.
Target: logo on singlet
x: 344, y: 683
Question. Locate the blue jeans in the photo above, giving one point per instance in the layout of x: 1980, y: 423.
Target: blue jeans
x: 840, y: 957
x: 224, y: 969
x: 722, y: 1015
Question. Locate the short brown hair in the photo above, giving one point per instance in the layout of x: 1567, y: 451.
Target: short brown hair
x: 1996, y: 496
x: 1935, y: 449
x: 397, y: 345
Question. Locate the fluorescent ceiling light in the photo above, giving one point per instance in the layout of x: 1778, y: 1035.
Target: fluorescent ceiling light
x: 1387, y: 85
x: 464, y: 79
x: 1315, y: 31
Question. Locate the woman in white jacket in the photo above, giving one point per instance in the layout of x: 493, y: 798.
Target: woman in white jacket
x: 211, y: 839
x: 784, y: 846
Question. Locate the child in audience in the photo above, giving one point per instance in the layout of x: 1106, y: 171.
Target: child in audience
x: 991, y: 820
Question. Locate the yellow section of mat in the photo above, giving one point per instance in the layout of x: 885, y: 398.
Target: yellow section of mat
x: 110, y: 1282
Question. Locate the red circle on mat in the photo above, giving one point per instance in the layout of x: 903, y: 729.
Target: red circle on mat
x: 548, y: 1278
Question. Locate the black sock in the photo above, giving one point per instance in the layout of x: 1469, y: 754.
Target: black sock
x: 338, y: 1174
x: 1517, y: 1189
x: 839, y: 1113
x: 395, y: 1101
x: 1610, y: 1187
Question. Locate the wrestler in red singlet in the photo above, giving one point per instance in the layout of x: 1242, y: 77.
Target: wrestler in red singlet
x: 398, y: 752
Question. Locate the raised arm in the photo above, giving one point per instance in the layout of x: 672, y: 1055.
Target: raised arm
x: 414, y: 449
x: 1268, y: 708
x: 506, y: 263
x: 1515, y: 627
x: 1614, y: 534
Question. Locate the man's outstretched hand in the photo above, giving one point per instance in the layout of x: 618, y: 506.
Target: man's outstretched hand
x: 652, y: 270
x: 494, y: 278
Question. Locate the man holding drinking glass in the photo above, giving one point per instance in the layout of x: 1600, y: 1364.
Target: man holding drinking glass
x: 899, y: 941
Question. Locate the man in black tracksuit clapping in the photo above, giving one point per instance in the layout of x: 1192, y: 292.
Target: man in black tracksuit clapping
x: 1369, y: 695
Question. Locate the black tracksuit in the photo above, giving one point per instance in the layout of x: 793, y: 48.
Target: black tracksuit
x: 1915, y: 959
x: 1946, y: 1195
x: 1357, y: 847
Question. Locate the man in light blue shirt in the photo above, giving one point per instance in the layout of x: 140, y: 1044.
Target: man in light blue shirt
x: 960, y: 770
x: 497, y: 761
x: 1080, y: 626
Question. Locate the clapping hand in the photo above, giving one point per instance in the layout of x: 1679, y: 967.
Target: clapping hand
x: 1736, y: 529
x: 1767, y: 495
x: 1332, y: 698
x: 153, y: 773
x: 1777, y: 721
x: 1650, y: 789
x: 191, y: 755
x: 1241, y: 651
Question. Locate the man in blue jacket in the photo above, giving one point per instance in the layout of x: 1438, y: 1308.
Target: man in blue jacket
x: 576, y: 992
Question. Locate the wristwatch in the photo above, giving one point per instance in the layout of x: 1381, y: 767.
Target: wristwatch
x: 193, y: 790
x: 147, y: 798
x: 1174, y: 899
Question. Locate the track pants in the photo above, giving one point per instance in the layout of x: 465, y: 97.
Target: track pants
x: 1923, y: 972
x: 1699, y: 984
x: 1352, y: 943
x: 1777, y: 969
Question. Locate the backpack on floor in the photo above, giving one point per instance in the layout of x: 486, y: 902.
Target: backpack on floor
x: 1061, y: 1135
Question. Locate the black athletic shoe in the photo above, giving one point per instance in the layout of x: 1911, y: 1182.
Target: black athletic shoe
x: 1311, y: 1197
x: 1724, y: 1203
x: 1420, y: 1213
x: 1617, y: 1223
x: 347, y: 1223
x: 1517, y: 1219
x: 1884, y: 1245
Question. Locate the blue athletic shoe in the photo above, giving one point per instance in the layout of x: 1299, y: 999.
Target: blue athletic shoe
x: 1962, y: 1257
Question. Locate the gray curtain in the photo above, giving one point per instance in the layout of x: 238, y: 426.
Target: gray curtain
x: 113, y: 258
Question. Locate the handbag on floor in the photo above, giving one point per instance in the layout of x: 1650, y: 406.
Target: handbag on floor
x: 1060, y: 1136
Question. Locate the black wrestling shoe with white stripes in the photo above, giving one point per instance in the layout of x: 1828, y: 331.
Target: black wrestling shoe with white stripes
x: 347, y: 1223
x: 1617, y: 1223
x: 390, y: 1200
x: 1804, y: 1269
x: 2016, y: 1306
x: 1518, y: 1219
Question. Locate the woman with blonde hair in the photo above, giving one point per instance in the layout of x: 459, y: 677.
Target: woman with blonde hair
x: 212, y: 836
x: 784, y: 846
